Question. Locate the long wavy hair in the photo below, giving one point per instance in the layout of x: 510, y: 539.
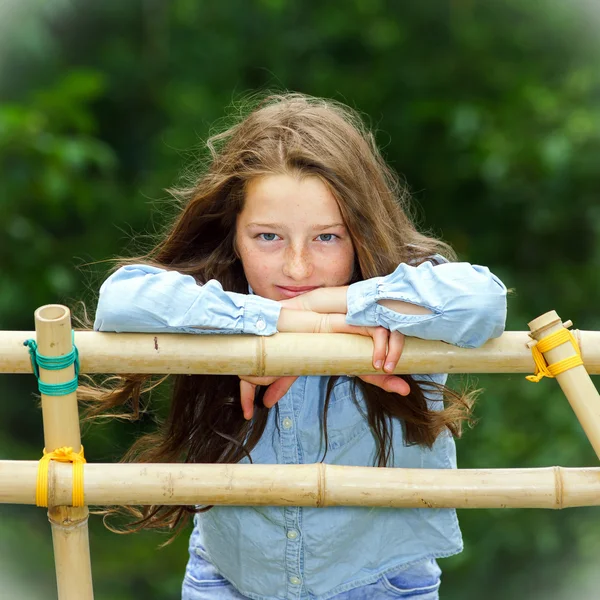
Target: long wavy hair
x: 292, y: 134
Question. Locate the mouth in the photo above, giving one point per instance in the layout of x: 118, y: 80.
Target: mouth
x: 292, y: 292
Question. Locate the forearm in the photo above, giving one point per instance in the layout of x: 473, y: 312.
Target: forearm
x: 307, y: 321
x: 465, y: 304
x: 334, y: 300
x: 405, y: 308
x: 297, y: 321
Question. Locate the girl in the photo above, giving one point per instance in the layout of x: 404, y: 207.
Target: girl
x: 297, y: 224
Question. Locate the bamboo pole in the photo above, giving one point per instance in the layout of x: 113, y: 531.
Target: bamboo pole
x: 61, y: 428
x: 575, y: 383
x: 285, y: 354
x: 309, y: 485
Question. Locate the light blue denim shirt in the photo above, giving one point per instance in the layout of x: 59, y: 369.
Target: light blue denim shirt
x: 275, y: 552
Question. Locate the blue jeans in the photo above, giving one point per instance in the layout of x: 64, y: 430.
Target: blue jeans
x: 420, y: 581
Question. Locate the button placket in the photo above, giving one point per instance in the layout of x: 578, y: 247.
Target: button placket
x: 290, y: 453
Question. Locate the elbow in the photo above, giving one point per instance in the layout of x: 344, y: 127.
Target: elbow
x: 483, y: 320
x: 112, y: 303
x: 107, y: 313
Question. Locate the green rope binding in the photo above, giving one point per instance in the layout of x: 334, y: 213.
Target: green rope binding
x: 54, y: 363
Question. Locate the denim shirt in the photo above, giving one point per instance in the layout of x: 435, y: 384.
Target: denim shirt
x: 274, y: 552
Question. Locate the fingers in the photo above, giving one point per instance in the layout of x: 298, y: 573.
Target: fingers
x: 389, y: 383
x: 387, y: 348
x: 293, y: 303
x: 247, y: 391
x: 277, y: 390
x: 278, y: 386
x: 380, y: 339
x: 395, y: 347
x: 258, y: 380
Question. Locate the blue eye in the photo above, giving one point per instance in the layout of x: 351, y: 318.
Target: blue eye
x: 331, y: 236
x: 270, y: 237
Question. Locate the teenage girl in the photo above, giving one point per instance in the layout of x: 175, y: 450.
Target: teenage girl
x: 296, y: 224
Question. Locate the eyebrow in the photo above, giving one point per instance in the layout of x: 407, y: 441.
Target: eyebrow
x: 282, y: 226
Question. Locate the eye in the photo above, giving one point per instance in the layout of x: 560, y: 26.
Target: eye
x: 265, y: 239
x: 331, y: 236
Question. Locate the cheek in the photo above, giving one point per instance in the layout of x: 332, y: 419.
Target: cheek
x: 256, y: 265
x: 340, y: 268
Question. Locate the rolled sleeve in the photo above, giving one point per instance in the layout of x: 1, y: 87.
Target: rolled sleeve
x: 467, y: 303
x: 261, y: 315
x: 141, y: 298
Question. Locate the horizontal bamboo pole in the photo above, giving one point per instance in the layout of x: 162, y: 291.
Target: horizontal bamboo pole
x: 285, y: 354
x: 308, y: 485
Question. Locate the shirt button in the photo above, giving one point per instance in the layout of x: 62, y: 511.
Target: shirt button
x: 287, y: 423
x: 292, y: 534
x: 294, y: 580
x: 260, y: 324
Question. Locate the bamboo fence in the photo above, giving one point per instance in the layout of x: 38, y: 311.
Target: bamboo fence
x: 298, y: 485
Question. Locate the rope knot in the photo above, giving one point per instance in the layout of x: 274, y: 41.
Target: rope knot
x: 65, y: 455
x: 542, y: 368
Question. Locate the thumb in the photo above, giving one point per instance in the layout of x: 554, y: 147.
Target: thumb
x: 247, y: 391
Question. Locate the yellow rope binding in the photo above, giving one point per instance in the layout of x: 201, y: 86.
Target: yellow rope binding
x: 542, y: 369
x: 65, y: 454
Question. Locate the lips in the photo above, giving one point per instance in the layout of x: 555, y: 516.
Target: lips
x: 296, y: 291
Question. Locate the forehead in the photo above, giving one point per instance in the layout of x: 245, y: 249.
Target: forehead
x: 288, y: 199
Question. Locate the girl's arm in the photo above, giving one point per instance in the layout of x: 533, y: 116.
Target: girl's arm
x: 145, y: 299
x: 141, y: 298
x: 458, y: 303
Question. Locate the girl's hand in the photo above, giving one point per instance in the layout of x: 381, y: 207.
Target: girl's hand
x: 278, y: 386
x: 387, y: 349
x: 387, y: 345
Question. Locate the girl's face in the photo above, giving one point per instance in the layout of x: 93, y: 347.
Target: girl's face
x: 291, y: 237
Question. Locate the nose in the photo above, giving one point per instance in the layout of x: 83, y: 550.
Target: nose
x: 297, y: 264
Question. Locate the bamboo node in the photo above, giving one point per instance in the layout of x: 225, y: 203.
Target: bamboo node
x: 558, y: 486
x: 68, y: 524
x: 321, y: 485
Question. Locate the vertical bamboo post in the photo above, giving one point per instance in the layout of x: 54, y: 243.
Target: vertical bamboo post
x: 61, y: 428
x: 576, y: 382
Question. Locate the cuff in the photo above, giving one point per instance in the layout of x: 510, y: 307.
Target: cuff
x: 260, y: 315
x: 361, y: 301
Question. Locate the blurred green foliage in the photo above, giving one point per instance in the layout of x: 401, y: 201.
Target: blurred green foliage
x: 489, y: 110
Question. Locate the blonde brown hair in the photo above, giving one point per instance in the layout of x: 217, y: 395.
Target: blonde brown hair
x: 287, y: 133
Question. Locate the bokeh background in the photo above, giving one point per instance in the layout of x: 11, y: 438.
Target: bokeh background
x: 490, y: 110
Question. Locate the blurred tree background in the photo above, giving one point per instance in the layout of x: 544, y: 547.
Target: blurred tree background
x: 490, y: 110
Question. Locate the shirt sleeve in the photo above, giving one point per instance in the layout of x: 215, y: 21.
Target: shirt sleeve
x: 467, y: 302
x: 146, y: 299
